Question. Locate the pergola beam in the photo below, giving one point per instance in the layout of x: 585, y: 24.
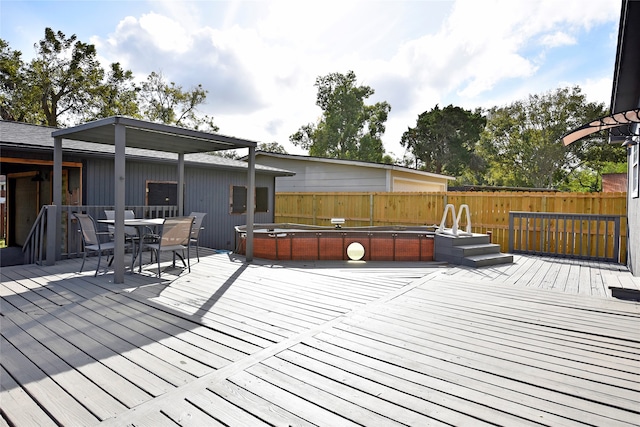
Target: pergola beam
x: 123, y: 132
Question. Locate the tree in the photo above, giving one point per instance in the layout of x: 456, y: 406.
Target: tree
x: 272, y: 147
x: 17, y: 102
x: 521, y: 141
x: 443, y: 139
x: 65, y: 84
x: 168, y: 103
x: 118, y: 96
x: 348, y: 129
x: 65, y: 76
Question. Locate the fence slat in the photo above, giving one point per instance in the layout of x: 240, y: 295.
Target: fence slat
x: 489, y: 212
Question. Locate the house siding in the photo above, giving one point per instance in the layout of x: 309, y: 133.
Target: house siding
x: 633, y: 223
x: 314, y: 176
x: 403, y: 181
x: 322, y: 177
x: 207, y: 190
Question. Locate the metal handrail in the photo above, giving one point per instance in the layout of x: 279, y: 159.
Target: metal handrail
x: 454, y: 230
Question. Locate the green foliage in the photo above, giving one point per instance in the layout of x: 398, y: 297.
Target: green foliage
x: 17, y: 103
x: 348, y: 129
x: 443, y: 139
x: 65, y: 76
x: 521, y: 144
x: 65, y: 84
x: 589, y: 179
x: 118, y: 96
x: 272, y: 147
x: 166, y: 102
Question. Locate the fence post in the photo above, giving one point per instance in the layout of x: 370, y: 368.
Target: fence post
x: 511, y: 231
x: 616, y: 239
x: 371, y: 209
x: 315, y: 210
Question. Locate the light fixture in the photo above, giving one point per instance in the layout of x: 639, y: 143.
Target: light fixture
x: 355, y: 251
x: 338, y: 222
x: 628, y: 142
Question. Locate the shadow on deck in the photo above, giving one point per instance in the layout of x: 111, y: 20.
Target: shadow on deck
x: 291, y: 343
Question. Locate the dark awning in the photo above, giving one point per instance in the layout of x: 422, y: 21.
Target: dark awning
x: 619, y: 125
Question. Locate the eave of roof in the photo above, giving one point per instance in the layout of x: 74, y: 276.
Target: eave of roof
x: 353, y: 163
x: 152, y: 136
x: 626, y: 84
x: 31, y: 137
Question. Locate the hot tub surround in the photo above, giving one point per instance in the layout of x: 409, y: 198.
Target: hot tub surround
x: 304, y: 242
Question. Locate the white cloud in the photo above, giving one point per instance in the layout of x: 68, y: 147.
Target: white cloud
x: 259, y: 60
x: 559, y: 38
x: 596, y: 90
x: 166, y: 34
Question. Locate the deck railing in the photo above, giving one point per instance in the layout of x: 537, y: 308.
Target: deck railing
x: 585, y: 236
x: 34, y: 248
x: 41, y: 245
x: 71, y: 246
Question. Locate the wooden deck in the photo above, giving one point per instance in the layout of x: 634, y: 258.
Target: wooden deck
x: 538, y: 342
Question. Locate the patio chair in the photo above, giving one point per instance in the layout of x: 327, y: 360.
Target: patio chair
x: 175, y: 237
x: 129, y: 232
x: 91, y: 239
x: 195, y: 230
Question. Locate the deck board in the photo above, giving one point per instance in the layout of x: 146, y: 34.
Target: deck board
x: 539, y: 341
x: 24, y: 410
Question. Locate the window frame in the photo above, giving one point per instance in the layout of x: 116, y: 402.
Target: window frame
x: 238, y: 202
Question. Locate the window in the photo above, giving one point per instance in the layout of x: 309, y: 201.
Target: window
x: 239, y: 199
x: 162, y: 193
x: 262, y: 199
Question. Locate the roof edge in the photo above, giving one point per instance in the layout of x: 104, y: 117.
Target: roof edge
x: 361, y: 163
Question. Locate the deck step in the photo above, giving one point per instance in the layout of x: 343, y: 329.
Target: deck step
x: 473, y: 251
x: 487, y: 259
x: 479, y: 249
x: 625, y: 293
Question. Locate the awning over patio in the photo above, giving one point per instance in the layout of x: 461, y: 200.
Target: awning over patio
x: 620, y: 124
x: 127, y: 132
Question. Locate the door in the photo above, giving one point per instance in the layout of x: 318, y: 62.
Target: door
x: 24, y: 204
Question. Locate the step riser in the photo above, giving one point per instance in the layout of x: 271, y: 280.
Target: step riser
x: 463, y: 250
x: 449, y: 241
x: 487, y: 261
x: 481, y: 250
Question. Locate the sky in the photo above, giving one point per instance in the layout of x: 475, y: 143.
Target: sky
x: 259, y: 59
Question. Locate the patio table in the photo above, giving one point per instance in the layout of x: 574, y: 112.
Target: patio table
x: 140, y: 224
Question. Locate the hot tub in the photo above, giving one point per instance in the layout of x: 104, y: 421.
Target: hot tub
x: 305, y: 242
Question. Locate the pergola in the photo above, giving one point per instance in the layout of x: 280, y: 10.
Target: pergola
x: 125, y: 132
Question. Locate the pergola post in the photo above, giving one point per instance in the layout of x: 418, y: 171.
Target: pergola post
x: 251, y: 191
x: 123, y: 132
x: 180, y: 183
x: 119, y: 174
x: 53, y: 229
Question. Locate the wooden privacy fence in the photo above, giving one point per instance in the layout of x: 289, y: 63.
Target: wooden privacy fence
x: 489, y: 210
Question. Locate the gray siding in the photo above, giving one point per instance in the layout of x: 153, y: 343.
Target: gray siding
x: 207, y: 190
x: 633, y: 226
x: 321, y: 176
